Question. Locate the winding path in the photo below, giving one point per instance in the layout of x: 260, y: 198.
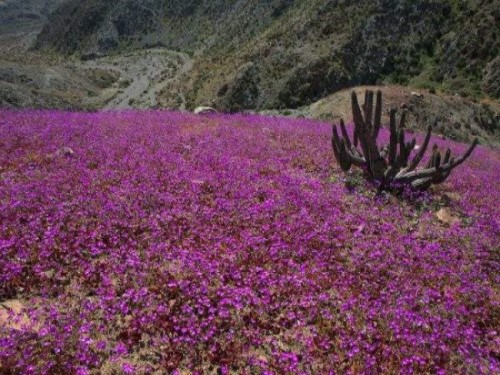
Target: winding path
x: 144, y: 74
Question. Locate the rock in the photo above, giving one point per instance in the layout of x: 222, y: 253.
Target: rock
x: 452, y: 197
x: 204, y: 110
x: 11, y: 316
x: 445, y: 216
x: 65, y: 151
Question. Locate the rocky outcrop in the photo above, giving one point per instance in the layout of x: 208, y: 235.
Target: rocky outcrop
x: 393, y: 36
x: 313, y: 81
x: 94, y: 27
x: 469, y: 46
x: 26, y: 15
x: 242, y: 92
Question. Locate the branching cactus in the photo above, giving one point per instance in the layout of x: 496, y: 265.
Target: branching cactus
x: 390, y: 166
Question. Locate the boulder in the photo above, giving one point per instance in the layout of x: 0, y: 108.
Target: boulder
x: 445, y: 216
x: 204, y: 110
x: 65, y: 151
x: 12, y: 316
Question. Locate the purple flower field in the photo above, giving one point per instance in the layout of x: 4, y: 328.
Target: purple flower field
x: 176, y: 244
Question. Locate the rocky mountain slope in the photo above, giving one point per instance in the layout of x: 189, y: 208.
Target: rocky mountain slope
x: 287, y: 53
x: 29, y: 79
x: 24, y: 18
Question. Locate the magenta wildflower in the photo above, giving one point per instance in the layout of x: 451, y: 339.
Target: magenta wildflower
x: 169, y: 242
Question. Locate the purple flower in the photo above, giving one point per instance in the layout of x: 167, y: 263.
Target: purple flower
x: 128, y: 368
x: 232, y: 242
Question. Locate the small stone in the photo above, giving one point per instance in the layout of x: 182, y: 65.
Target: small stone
x: 453, y: 196
x: 262, y: 359
x: 65, y: 151
x: 13, y: 307
x: 204, y: 110
x: 445, y: 216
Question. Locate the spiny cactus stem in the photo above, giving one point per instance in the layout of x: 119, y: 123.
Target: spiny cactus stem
x: 416, y: 160
x: 345, y: 134
x: 359, y: 126
x: 369, y: 111
x: 377, y: 122
x: 402, y: 122
x: 393, y: 139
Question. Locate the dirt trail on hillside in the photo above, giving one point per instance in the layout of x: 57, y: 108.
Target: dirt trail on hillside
x: 144, y: 74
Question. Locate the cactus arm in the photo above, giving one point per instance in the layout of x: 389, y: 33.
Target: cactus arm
x: 393, y: 138
x: 339, y: 150
x: 356, y: 138
x: 422, y: 184
x: 412, y: 176
x: 402, y: 122
x: 449, y: 164
x: 378, y: 115
x: 441, y: 176
x: 371, y: 153
x: 335, y: 144
x: 345, y: 156
x: 416, y: 160
x: 402, y: 157
x: 359, y: 125
x: 465, y: 156
x: 437, y: 160
x: 356, y: 160
x: 430, y: 163
x: 368, y: 108
x: 356, y: 153
x: 447, y: 157
x: 439, y: 169
x: 345, y: 134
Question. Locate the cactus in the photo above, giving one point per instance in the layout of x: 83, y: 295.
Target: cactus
x: 390, y: 166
